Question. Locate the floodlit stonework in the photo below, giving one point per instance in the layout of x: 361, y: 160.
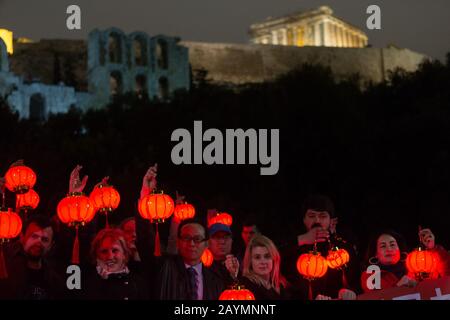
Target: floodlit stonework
x: 50, y: 76
x: 316, y: 28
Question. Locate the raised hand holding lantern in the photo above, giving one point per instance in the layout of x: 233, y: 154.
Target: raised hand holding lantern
x: 75, y: 210
x: 421, y: 262
x: 156, y: 207
x: 338, y: 259
x: 312, y: 266
x: 105, y: 198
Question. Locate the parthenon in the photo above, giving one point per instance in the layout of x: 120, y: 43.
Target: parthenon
x: 311, y: 28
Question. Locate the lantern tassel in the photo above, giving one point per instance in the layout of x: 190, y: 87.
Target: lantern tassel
x: 157, y: 252
x: 107, y: 224
x: 310, y: 293
x: 76, y: 249
x: 3, y: 270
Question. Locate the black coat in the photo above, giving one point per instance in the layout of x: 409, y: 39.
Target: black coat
x: 24, y: 283
x: 116, y: 287
x: 173, y: 281
x: 221, y: 272
x: 262, y: 293
x: 328, y: 285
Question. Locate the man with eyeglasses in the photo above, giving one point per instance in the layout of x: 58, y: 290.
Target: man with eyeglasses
x: 183, y: 276
x: 225, y: 264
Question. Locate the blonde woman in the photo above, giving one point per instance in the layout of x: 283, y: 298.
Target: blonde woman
x: 261, y: 270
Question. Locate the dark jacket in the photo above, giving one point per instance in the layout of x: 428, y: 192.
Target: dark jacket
x: 221, y: 272
x: 332, y: 281
x: 173, y: 281
x: 116, y: 287
x: 24, y: 283
x: 262, y: 293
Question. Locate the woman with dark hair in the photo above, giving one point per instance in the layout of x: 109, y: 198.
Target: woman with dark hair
x: 387, y: 250
x: 112, y: 279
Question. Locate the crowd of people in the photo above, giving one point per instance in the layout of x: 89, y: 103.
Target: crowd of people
x: 117, y: 262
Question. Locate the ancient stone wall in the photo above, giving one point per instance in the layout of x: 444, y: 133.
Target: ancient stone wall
x: 233, y: 64
x: 52, y: 62
x: 241, y: 64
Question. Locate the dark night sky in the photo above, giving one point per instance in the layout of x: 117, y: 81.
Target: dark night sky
x: 420, y: 25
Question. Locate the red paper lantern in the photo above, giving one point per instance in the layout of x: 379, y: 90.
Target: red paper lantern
x: 237, y: 293
x: 312, y: 265
x: 156, y: 207
x: 207, y: 258
x: 20, y: 179
x: 105, y: 198
x: 421, y: 263
x: 10, y: 225
x: 76, y: 210
x: 337, y: 258
x: 223, y: 218
x: 27, y: 201
x: 184, y: 211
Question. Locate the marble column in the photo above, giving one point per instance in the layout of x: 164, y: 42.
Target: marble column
x: 317, y: 40
x: 274, y: 37
x: 285, y: 39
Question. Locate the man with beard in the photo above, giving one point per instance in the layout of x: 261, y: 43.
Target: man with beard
x: 319, y: 221
x: 30, y: 275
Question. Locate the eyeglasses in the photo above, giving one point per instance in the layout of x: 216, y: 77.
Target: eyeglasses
x: 196, y: 239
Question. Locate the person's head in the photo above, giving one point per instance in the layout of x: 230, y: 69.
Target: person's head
x: 191, y: 241
x: 128, y: 226
x: 220, y: 240
x: 110, y: 249
x: 249, y: 229
x: 37, y: 237
x: 427, y: 238
x: 385, y: 248
x: 317, y: 211
x: 262, y: 261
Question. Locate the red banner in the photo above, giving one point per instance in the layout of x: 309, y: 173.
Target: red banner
x: 426, y: 290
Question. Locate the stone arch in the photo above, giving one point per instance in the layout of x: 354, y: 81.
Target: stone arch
x: 139, y: 43
x: 114, y: 48
x: 162, y: 54
x: 140, y: 83
x: 37, y: 108
x: 115, y: 83
x: 163, y: 91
